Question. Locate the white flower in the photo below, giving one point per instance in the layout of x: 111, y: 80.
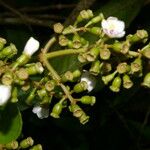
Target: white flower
x: 31, y: 46
x: 89, y: 79
x: 40, y: 112
x: 113, y: 27
x: 5, y: 93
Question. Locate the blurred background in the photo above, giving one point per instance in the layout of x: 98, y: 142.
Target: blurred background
x: 117, y: 121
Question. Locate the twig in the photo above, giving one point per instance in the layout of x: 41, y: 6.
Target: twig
x: 83, y: 4
x: 45, y: 8
x: 31, y: 21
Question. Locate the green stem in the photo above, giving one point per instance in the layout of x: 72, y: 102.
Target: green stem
x: 49, y: 44
x: 65, y: 52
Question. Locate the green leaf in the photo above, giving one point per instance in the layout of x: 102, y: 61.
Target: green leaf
x: 125, y: 10
x: 10, y: 124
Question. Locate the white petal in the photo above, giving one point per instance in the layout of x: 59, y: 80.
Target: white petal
x: 31, y: 46
x: 40, y: 112
x: 5, y: 93
x: 89, y: 79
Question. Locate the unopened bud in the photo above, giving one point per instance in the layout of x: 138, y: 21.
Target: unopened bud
x: 146, y: 51
x: 95, y: 68
x: 93, y: 54
x: 80, y: 87
x: 127, y: 82
x: 84, y: 118
x: 89, y: 100
x: 140, y: 35
x: 30, y: 98
x: 14, y: 94
x: 106, y: 79
x: 63, y: 41
x: 68, y: 76
x: 26, y: 143
x: 123, y: 68
x: 58, y: 28
x: 36, y: 147
x: 95, y: 20
x: 42, y: 93
x: 146, y: 81
x: 105, y: 54
x: 35, y: 68
x: 95, y: 30
x: 22, y: 74
x: 76, y: 74
x: 76, y: 41
x: 11, y: 145
x: 7, y: 78
x: 115, y: 87
x: 56, y: 111
x: 2, y: 43
x: 136, y: 65
x: 8, y: 51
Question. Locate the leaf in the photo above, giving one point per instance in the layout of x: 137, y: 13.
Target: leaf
x: 125, y: 10
x: 10, y: 124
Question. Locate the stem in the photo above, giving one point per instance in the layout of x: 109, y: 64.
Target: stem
x: 65, y: 52
x: 49, y: 44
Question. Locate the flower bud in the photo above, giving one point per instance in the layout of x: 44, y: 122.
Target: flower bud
x: 95, y: 68
x: 121, y: 47
x: 76, y: 74
x: 58, y: 28
x: 93, y: 53
x: 84, y: 42
x: 123, y: 68
x: 127, y: 82
x: 50, y: 85
x: 146, y: 51
x: 29, y: 99
x: 146, y: 81
x: 8, y: 51
x: 14, y: 98
x: 36, y: 147
x: 46, y: 101
x: 105, y: 54
x: 22, y: 74
x: 26, y: 143
x: 80, y: 87
x: 76, y: 110
x: 68, y: 30
x: 89, y: 100
x: 106, y: 79
x: 68, y: 76
x: 106, y: 67
x: 2, y: 43
x: 42, y: 93
x: 136, y: 65
x: 84, y: 14
x: 56, y: 111
x: 115, y: 87
x: 76, y: 41
x: 84, y: 118
x: 95, y: 30
x: 7, y: 78
x: 82, y: 58
x: 5, y: 94
x: 35, y: 68
x: 11, y: 145
x: 63, y: 41
x: 140, y: 35
x: 30, y: 48
x: 95, y: 20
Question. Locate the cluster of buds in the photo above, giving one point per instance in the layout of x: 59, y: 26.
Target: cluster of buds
x: 27, y: 143
x: 115, y: 62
